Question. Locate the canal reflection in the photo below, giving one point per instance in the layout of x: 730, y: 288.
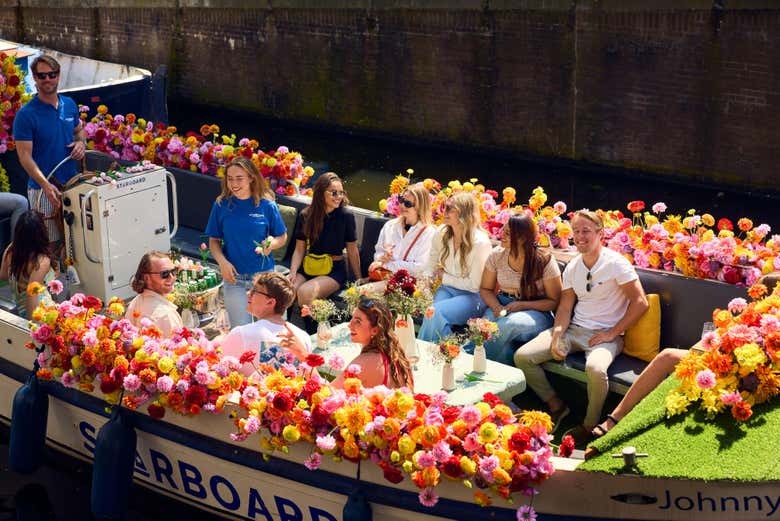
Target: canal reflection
x: 368, y: 165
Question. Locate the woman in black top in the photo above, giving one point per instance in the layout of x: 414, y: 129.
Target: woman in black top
x: 326, y: 227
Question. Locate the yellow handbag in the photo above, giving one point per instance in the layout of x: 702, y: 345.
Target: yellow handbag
x: 316, y: 264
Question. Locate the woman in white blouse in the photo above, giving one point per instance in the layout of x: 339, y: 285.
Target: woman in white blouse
x: 459, y: 252
x: 405, y: 242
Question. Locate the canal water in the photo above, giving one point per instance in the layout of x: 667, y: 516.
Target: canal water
x: 368, y: 164
x: 60, y: 491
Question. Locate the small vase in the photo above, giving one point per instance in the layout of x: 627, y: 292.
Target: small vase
x: 324, y: 334
x: 480, y: 359
x: 405, y: 334
x: 448, y: 377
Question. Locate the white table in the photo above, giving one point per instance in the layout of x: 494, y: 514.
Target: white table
x: 502, y: 380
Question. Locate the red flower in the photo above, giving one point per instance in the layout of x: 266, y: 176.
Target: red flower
x: 247, y: 357
x: 408, y: 288
x: 310, y: 387
x: 450, y: 414
x: 732, y: 275
x: 636, y: 206
x: 741, y: 411
x: 567, y: 446
x: 108, y: 385
x: 519, y: 441
x: 319, y: 416
x: 314, y: 360
x: 392, y: 474
x: 452, y: 468
x: 156, y: 411
x: 92, y: 302
x: 725, y: 224
x: 13, y: 80
x: 424, y: 398
x: 491, y: 399
x: 282, y: 402
x: 195, y: 395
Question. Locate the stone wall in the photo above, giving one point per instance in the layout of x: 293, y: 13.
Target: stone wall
x: 687, y: 88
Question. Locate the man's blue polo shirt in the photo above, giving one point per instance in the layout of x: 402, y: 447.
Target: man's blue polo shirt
x: 51, y: 131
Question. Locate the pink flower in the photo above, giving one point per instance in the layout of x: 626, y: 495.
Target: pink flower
x: 68, y: 379
x: 425, y: 459
x: 354, y: 369
x: 527, y: 512
x: 326, y: 443
x: 657, y: 208
x: 441, y: 451
x: 313, y: 462
x: 336, y: 362
x: 203, y: 246
x: 560, y: 207
x: 42, y: 333
x: 710, y: 341
x: 55, y: 287
x: 164, y: 384
x: 258, y: 250
x: 737, y: 305
x: 731, y: 398
x: 471, y: 443
x: 131, y: 382
x: 705, y: 379
x: 428, y: 497
x: 252, y: 425
x: 470, y: 415
x: 486, y: 467
x: 250, y: 394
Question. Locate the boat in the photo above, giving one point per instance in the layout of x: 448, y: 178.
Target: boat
x: 195, y: 460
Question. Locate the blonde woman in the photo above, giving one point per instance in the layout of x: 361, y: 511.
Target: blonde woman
x: 458, y: 252
x: 404, y: 242
x: 382, y: 359
x: 243, y: 216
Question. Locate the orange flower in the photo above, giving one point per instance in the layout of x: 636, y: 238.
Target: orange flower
x: 745, y: 224
x: 757, y: 291
x: 43, y: 374
x: 741, y: 411
x: 482, y: 499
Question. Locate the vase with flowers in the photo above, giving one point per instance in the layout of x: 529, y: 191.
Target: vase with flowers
x: 449, y: 349
x: 480, y: 330
x: 321, y: 310
x: 406, y: 298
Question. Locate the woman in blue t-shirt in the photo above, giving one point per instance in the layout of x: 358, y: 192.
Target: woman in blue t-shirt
x: 244, y: 218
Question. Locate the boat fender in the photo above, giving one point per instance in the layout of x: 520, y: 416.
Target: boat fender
x: 357, y: 507
x: 112, y: 474
x: 28, y: 426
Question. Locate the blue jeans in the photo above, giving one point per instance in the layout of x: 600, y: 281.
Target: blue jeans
x: 514, y: 330
x: 235, y: 299
x: 453, y: 307
x: 13, y: 205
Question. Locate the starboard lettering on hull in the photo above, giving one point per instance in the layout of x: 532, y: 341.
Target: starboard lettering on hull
x: 185, y: 478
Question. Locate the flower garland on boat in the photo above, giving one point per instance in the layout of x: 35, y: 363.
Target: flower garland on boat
x: 80, y: 347
x: 130, y: 138
x: 484, y: 446
x: 739, y: 366
x: 12, y: 98
x: 695, y: 245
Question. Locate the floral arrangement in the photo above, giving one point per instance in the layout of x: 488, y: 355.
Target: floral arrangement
x: 320, y: 310
x: 405, y: 296
x: 481, y: 330
x: 131, y: 138
x: 449, y: 348
x: 696, y: 245
x: 12, y: 97
x: 82, y: 348
x: 738, y: 367
x: 483, y: 446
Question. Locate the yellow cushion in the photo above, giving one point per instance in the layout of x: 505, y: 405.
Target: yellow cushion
x: 643, y: 339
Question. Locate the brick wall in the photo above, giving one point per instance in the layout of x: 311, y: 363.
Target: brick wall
x: 685, y: 90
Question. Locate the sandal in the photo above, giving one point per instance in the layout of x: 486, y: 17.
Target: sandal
x: 601, y: 429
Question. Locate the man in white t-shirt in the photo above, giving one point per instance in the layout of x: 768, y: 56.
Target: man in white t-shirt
x: 270, y: 296
x: 603, y: 290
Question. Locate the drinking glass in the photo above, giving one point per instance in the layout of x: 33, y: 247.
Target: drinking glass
x: 190, y: 318
x: 222, y: 321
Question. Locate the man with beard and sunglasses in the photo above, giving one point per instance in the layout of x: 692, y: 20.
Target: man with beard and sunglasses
x: 47, y: 130
x: 153, y: 281
x: 603, y: 290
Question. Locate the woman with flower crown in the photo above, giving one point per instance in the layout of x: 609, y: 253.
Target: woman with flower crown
x: 244, y: 227
x: 28, y: 259
x: 521, y: 286
x: 382, y: 360
x: 458, y: 254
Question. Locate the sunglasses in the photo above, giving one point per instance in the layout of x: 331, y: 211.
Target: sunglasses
x: 448, y: 208
x: 165, y: 273
x: 589, y: 286
x: 407, y: 203
x: 253, y: 292
x: 43, y: 75
x: 337, y: 193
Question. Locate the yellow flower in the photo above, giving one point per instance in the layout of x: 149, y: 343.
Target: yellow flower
x: 708, y: 220
x: 75, y: 362
x: 676, y: 403
x: 509, y: 195
x: 749, y: 356
x: 531, y: 418
x: 408, y: 466
x: 382, y: 205
x: 398, y: 184
x: 291, y: 433
x: 165, y: 364
x: 468, y: 466
x: 102, y: 109
x: 484, y: 409
x: 406, y: 445
x: 35, y: 288
x: 481, y: 499
x: 488, y: 432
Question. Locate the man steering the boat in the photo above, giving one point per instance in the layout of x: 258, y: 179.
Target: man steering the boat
x: 47, y: 130
x: 602, y: 289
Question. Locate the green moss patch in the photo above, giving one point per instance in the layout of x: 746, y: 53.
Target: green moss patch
x: 689, y: 446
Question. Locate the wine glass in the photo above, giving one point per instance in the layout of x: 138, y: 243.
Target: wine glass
x: 190, y: 318
x: 222, y: 321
